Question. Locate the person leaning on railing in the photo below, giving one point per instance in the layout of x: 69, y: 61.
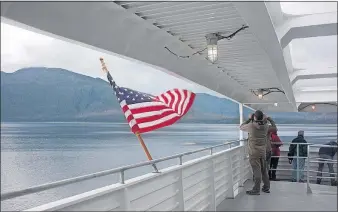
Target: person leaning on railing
x: 326, y: 153
x: 257, y: 128
x: 275, y: 153
x: 302, y: 147
x: 272, y: 128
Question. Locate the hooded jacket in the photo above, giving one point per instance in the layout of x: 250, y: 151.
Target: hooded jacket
x: 331, y: 151
x: 302, y: 148
x: 276, y: 143
x: 257, y: 138
x: 272, y: 128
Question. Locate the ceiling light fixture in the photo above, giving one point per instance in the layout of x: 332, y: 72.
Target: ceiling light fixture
x: 275, y: 104
x: 212, y: 47
x: 261, y: 92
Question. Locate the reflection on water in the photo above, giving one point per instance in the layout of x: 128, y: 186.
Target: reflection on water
x: 35, y: 153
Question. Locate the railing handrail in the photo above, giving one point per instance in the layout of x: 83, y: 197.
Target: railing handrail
x: 55, y: 184
x: 311, y: 144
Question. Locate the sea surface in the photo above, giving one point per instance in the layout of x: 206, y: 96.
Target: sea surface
x: 36, y: 153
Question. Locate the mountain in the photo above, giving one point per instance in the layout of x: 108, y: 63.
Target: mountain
x: 53, y: 94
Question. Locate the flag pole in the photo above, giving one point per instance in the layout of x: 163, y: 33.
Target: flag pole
x: 104, y: 68
x: 138, y: 135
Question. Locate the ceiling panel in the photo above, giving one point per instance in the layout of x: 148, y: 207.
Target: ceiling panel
x: 242, y: 57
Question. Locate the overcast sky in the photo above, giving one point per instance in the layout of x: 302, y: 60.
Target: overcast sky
x: 21, y: 48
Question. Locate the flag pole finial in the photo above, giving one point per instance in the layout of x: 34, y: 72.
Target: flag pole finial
x: 104, y: 67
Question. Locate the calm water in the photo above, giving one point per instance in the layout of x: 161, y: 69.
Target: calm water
x: 35, y: 153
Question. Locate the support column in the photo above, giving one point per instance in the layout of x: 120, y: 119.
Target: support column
x: 240, y: 122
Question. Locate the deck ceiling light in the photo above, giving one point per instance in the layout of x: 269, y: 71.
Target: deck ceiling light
x: 313, y: 107
x: 260, y: 94
x: 275, y: 104
x: 265, y: 91
x: 212, y: 46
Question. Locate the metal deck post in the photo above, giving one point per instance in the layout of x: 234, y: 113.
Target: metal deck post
x: 297, y: 164
x: 240, y: 122
x: 308, y: 188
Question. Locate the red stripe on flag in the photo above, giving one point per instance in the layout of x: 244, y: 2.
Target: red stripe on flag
x: 185, y: 93
x: 171, y: 100
x: 148, y: 109
x: 164, y: 98
x: 135, y: 129
x: 163, y: 124
x: 125, y: 108
x: 191, y: 100
x: 178, y: 100
x: 154, y: 117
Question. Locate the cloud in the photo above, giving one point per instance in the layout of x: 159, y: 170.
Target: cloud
x: 302, y: 8
x: 21, y: 48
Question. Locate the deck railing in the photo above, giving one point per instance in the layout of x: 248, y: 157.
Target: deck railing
x: 200, y: 183
x: 312, y: 161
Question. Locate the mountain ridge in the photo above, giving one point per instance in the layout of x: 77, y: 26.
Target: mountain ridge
x: 53, y: 94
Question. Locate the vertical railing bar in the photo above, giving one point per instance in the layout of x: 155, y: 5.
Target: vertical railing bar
x: 240, y: 123
x: 308, y: 189
x: 212, y: 186
x: 122, y: 177
x: 181, y: 159
x: 297, y: 163
x: 230, y: 193
x: 181, y: 200
x: 125, y: 202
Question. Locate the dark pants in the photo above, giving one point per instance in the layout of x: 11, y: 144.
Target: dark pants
x: 321, y: 166
x: 273, y: 165
x: 260, y: 173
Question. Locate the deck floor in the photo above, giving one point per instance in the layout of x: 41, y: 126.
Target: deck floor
x: 284, y: 196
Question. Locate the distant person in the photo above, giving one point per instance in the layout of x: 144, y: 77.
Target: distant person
x: 275, y: 144
x: 302, y: 153
x: 257, y: 128
x: 272, y: 128
x: 327, y: 153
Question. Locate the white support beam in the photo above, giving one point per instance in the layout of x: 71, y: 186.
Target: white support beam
x: 316, y: 96
x: 313, y: 73
x: 258, y: 18
x: 307, y: 26
x: 316, y: 88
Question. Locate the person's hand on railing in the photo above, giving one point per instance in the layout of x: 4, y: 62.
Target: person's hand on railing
x: 290, y: 158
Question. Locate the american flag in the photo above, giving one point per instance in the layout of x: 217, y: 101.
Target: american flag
x: 145, y: 112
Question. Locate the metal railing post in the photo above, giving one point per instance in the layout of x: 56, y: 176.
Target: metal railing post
x: 242, y: 167
x: 308, y: 189
x: 122, y: 177
x: 181, y: 201
x: 297, y: 164
x: 125, y: 202
x: 212, y: 186
x: 230, y: 193
x: 240, y: 122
